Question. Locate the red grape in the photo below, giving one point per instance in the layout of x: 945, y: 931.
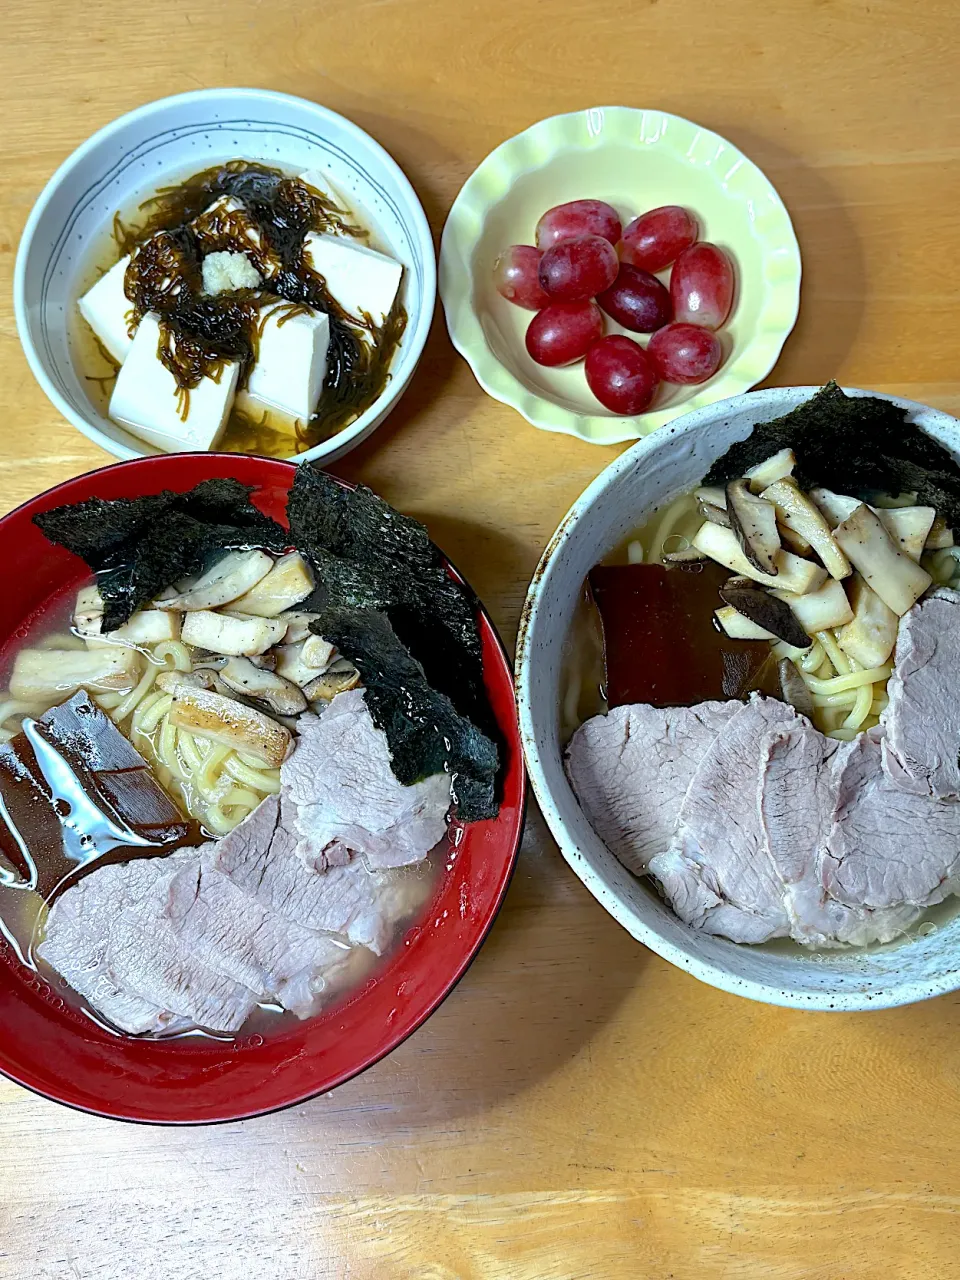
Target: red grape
x: 563, y: 332
x: 620, y: 375
x: 701, y: 286
x: 578, y: 218
x: 516, y: 279
x: 577, y: 269
x: 657, y: 238
x: 637, y: 300
x: 685, y: 353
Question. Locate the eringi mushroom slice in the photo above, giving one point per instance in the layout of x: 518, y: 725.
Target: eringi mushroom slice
x: 793, y: 573
x: 798, y: 512
x: 231, y: 577
x: 940, y: 536
x: 317, y: 652
x: 339, y: 677
x: 739, y: 627
x: 288, y: 582
x: 236, y: 637
x: 906, y: 525
x: 716, y: 515
x: 765, y: 609
x: 774, y: 468
x: 146, y: 626
x: 871, y: 636
x: 819, y: 610
x: 897, y: 580
x: 684, y: 555
x: 298, y: 624
x: 754, y: 522
x: 242, y: 676
x: 43, y: 675
x: 713, y: 495
x: 230, y: 723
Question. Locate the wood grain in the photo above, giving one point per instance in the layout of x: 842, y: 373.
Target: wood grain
x: 578, y: 1108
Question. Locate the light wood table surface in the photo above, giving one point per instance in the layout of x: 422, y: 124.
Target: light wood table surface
x: 578, y: 1107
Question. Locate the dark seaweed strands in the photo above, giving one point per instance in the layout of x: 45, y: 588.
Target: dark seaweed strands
x: 860, y: 445
x: 139, y: 546
x: 385, y: 597
x: 199, y: 335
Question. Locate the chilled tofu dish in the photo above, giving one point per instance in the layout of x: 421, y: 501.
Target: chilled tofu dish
x: 234, y: 768
x: 246, y: 310
x: 761, y: 709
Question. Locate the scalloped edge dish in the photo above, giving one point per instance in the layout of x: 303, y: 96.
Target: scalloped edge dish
x: 736, y: 177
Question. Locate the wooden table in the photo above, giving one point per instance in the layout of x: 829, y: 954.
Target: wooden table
x: 578, y: 1107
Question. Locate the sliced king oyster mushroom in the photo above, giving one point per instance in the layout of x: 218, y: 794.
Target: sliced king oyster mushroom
x: 754, y: 522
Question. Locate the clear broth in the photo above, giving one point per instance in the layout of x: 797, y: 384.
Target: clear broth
x: 23, y: 910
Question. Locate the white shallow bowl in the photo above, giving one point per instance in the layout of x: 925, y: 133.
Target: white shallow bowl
x: 169, y: 139
x: 656, y: 470
x: 636, y: 160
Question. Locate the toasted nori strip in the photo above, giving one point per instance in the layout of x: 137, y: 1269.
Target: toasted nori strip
x: 860, y: 445
x: 424, y: 731
x: 138, y: 546
x: 368, y: 556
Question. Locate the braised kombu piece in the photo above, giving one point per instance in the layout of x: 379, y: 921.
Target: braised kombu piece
x: 661, y: 642
x: 424, y: 731
x: 138, y: 546
x: 199, y: 334
x: 858, y: 445
x: 74, y: 791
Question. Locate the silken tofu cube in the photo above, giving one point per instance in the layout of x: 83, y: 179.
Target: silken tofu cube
x: 321, y: 182
x: 105, y: 308
x: 291, y: 361
x: 361, y: 280
x: 145, y: 398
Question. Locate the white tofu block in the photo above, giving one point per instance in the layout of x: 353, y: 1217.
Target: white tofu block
x: 360, y: 279
x: 321, y: 182
x: 207, y: 226
x: 105, y: 308
x: 224, y: 272
x: 144, y: 399
x: 292, y: 360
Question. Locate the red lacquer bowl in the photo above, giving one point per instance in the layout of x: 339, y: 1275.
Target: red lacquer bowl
x: 63, y: 1055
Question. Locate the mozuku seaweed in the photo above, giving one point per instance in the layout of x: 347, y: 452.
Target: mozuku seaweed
x: 857, y: 445
x: 424, y: 731
x: 366, y: 555
x: 139, y: 546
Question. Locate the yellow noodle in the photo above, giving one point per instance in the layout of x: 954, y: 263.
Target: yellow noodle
x: 189, y: 750
x: 150, y: 718
x: 823, y: 700
x: 240, y: 797
x: 813, y: 658
x: 259, y: 779
x: 861, y: 708
x: 635, y: 552
x: 128, y: 704
x: 177, y: 653
x: 673, y: 514
x: 833, y: 651
x: 840, y: 684
x: 842, y: 735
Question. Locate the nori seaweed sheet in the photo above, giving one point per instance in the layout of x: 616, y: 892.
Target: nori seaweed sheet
x: 424, y: 731
x: 368, y: 556
x: 138, y: 546
x: 860, y: 445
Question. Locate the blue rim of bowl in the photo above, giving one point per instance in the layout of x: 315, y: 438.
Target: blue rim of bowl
x: 418, y: 236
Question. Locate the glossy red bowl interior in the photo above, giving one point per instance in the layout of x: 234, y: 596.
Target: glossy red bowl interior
x: 59, y: 1052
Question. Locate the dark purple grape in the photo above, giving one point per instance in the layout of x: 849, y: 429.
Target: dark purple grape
x: 620, y: 375
x: 637, y: 300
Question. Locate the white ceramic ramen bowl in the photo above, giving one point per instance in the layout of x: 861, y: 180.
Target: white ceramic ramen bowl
x: 623, y: 497
x: 170, y: 139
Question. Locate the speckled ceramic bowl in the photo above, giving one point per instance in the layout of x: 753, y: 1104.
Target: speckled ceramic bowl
x: 622, y: 498
x: 636, y: 160
x: 170, y: 139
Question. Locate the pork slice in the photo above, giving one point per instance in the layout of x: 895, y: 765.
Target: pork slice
x: 797, y: 801
x: 233, y: 933
x: 887, y: 846
x: 83, y: 964
x: 114, y: 917
x: 630, y: 771
x: 922, y: 720
x: 348, y: 797
x: 259, y: 856
x: 717, y: 872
